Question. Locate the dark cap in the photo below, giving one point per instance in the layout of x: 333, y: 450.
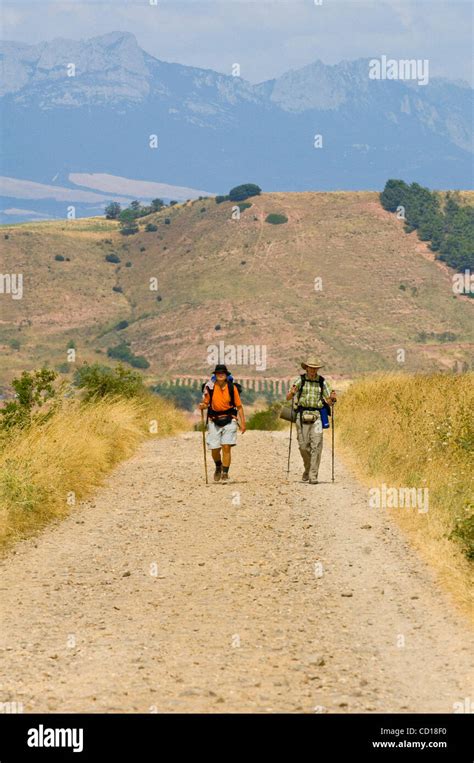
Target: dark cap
x: 221, y: 368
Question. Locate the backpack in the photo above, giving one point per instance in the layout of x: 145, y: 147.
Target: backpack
x: 225, y: 416
x: 320, y: 381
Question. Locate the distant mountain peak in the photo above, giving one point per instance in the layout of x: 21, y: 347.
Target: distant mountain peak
x: 114, y: 64
x: 111, y: 38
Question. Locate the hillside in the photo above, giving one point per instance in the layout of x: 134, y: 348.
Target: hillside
x: 256, y: 281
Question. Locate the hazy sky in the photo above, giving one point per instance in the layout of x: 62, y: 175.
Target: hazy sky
x: 266, y: 37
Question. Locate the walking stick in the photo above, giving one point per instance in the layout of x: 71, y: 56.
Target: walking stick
x: 204, y: 444
x: 289, y: 448
x: 332, y: 441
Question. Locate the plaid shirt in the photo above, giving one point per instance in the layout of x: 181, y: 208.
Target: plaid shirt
x: 311, y: 396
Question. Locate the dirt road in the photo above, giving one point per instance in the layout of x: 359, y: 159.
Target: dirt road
x: 262, y: 595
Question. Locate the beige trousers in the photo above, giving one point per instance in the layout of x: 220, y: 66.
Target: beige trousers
x: 310, y: 442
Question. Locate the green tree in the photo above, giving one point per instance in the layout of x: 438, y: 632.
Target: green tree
x: 128, y: 223
x: 112, y: 210
x: 242, y: 192
x: 393, y: 195
x: 32, y: 391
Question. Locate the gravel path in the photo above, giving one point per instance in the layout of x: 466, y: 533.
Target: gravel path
x: 263, y: 595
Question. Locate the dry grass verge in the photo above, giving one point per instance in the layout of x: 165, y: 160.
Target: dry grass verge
x: 416, y: 431
x: 48, y: 467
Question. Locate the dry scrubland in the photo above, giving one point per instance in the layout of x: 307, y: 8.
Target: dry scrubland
x: 245, y: 282
x: 418, y: 431
x: 70, y: 454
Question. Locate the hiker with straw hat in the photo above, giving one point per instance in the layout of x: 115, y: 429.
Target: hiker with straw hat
x: 314, y: 397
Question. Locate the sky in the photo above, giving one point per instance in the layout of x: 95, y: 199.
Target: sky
x: 265, y: 37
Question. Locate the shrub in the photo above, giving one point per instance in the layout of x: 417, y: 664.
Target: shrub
x: 122, y: 352
x: 463, y: 533
x: 15, y: 344
x: 267, y: 420
x: 32, y: 390
x: 128, y: 264
x: 185, y: 398
x: 59, y: 258
x: 138, y: 361
x: 118, y: 289
x: 220, y: 199
x: 242, y: 192
x: 100, y: 381
x: 167, y: 221
x: 275, y: 219
x: 121, y: 325
x: 112, y: 258
x: 151, y: 227
x: 243, y: 205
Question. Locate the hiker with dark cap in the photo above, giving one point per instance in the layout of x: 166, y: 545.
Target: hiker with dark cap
x: 313, y: 400
x: 221, y: 397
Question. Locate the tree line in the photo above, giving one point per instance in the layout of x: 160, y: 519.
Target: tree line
x: 128, y: 217
x: 448, y: 225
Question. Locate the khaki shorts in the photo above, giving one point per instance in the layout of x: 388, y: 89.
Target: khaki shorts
x: 217, y: 436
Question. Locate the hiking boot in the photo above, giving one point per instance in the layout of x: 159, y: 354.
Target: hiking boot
x: 218, y: 474
x: 305, y: 477
x: 313, y: 482
x: 225, y: 476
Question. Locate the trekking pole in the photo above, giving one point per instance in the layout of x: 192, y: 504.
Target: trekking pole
x: 332, y: 441
x: 204, y: 444
x: 289, y: 448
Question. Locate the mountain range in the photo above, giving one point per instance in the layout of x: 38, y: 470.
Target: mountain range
x: 75, y: 112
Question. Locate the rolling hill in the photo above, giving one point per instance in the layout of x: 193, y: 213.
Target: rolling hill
x: 243, y: 282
